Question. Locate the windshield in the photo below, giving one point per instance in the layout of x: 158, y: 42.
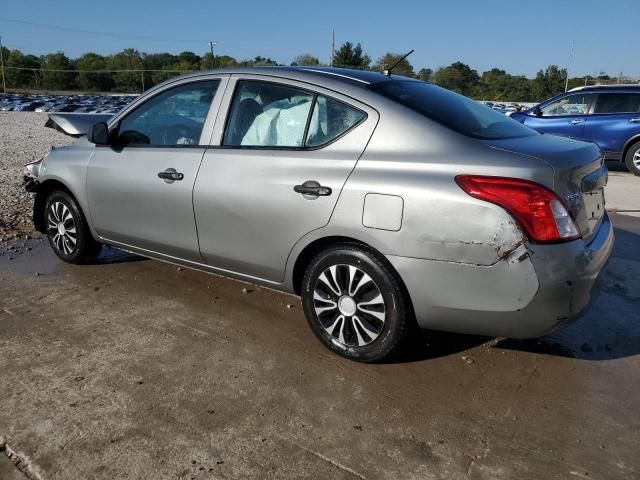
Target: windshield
x: 454, y: 111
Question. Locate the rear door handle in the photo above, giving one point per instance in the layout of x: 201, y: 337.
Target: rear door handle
x: 635, y: 120
x: 170, y: 175
x: 577, y: 121
x: 313, y: 188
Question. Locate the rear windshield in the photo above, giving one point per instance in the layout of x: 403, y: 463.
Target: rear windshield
x: 454, y: 111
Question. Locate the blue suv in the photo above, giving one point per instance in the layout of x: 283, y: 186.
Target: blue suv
x: 606, y: 115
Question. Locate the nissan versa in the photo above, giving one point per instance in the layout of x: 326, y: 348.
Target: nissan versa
x: 382, y: 201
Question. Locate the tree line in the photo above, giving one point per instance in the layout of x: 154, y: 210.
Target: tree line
x: 130, y: 71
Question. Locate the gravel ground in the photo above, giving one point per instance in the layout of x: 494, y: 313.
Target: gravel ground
x: 23, y: 139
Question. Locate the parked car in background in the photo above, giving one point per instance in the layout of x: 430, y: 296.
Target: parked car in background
x: 606, y: 115
x: 380, y: 199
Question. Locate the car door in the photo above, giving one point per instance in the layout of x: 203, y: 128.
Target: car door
x: 565, y: 116
x: 616, y: 119
x: 140, y: 186
x: 275, y: 171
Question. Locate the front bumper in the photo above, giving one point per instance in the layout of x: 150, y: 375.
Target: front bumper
x: 533, y: 291
x: 30, y: 184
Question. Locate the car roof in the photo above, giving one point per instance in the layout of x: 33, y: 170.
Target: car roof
x: 631, y: 87
x: 312, y: 74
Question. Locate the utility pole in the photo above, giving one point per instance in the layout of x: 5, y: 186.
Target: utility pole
x: 213, y: 61
x: 566, y: 83
x: 4, y: 85
x: 142, y: 72
x: 333, y: 45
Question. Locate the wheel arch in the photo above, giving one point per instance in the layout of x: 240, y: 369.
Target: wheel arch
x: 627, y: 146
x: 316, y: 246
x: 42, y: 193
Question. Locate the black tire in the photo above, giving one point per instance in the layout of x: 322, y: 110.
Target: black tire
x: 351, y: 337
x: 633, y: 152
x: 61, y: 208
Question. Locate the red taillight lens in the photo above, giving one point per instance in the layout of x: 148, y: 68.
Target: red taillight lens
x: 537, y: 209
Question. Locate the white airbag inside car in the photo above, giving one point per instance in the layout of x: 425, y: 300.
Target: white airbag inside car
x: 281, y: 124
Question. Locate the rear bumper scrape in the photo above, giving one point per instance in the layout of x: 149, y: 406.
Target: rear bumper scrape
x: 534, y: 290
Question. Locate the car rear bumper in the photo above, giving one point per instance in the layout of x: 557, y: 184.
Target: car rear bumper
x: 534, y: 290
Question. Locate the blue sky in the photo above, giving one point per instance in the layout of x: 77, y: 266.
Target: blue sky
x: 518, y: 36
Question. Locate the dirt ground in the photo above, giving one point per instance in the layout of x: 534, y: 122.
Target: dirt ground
x: 132, y: 368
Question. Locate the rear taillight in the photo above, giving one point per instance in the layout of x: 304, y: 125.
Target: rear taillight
x: 538, y: 210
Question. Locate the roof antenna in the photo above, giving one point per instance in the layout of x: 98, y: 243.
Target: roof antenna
x: 387, y: 72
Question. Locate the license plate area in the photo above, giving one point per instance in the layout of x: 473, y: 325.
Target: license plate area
x: 594, y: 207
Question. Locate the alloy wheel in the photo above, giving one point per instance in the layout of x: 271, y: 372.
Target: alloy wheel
x: 636, y: 158
x: 349, y: 305
x: 61, y: 227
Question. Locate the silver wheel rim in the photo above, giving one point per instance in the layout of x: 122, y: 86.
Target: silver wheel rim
x: 349, y: 305
x: 62, y: 228
x: 636, y: 158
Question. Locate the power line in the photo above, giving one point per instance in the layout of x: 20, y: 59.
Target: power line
x: 137, y: 37
x: 96, y: 32
x: 138, y: 70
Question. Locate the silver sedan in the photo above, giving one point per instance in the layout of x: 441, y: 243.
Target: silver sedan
x: 384, y: 202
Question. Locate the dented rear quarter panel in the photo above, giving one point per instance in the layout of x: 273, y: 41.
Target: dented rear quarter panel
x: 418, y: 160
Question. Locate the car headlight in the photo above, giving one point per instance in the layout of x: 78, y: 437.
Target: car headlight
x: 32, y: 169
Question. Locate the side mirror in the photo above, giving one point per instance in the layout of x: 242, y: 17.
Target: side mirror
x: 99, y: 134
x: 537, y: 112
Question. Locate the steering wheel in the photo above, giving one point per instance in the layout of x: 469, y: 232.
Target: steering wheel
x: 173, y: 133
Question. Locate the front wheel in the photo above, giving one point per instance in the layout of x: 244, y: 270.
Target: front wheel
x: 67, y: 229
x: 632, y: 159
x: 355, y: 303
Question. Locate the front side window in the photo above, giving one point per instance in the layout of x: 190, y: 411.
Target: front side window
x: 572, y: 105
x: 618, y: 103
x: 267, y: 115
x: 171, y: 118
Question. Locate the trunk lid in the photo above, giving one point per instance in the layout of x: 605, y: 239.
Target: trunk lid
x: 579, y: 174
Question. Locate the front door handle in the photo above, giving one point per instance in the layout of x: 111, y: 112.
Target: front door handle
x: 170, y: 175
x: 635, y: 120
x: 312, y: 189
x: 577, y: 121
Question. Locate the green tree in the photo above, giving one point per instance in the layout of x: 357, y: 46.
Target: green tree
x: 28, y: 75
x: 305, y: 59
x: 351, y: 57
x: 259, y: 62
x: 458, y: 77
x: 126, y: 82
x: 58, y: 80
x: 425, y: 74
x: 190, y: 60
x: 88, y: 79
x: 389, y: 59
x: 549, y: 82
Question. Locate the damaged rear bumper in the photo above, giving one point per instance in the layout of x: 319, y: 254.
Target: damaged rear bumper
x: 533, y: 291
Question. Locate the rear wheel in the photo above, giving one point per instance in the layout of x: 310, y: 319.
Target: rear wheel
x: 632, y: 159
x: 355, y: 303
x: 67, y: 229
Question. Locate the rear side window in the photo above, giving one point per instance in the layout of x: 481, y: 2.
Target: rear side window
x: 265, y: 114
x: 454, y: 111
x: 618, y: 103
x: 329, y: 120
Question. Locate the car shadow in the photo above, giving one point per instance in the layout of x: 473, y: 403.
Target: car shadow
x: 112, y: 255
x: 430, y: 344
x: 616, y: 166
